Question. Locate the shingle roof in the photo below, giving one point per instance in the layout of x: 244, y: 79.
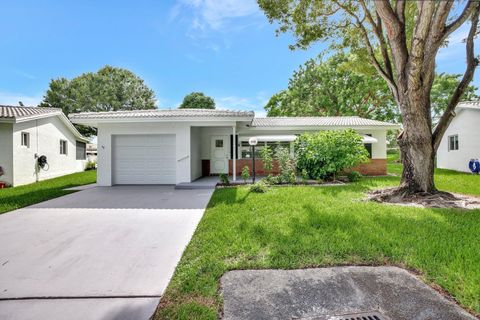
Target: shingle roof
x: 318, y: 122
x: 162, y: 113
x: 16, y: 113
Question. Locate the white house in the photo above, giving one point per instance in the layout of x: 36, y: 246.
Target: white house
x: 181, y: 145
x: 26, y: 133
x: 461, y: 140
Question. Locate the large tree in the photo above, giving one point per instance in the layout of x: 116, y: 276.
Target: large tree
x: 331, y: 88
x: 108, y: 89
x: 337, y: 87
x: 197, y: 100
x: 408, y: 35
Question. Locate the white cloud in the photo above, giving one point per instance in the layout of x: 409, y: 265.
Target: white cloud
x: 9, y: 98
x: 244, y: 103
x: 214, y: 14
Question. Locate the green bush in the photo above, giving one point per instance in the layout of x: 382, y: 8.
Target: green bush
x: 326, y: 153
x: 91, y: 165
x: 224, y: 179
x: 267, y: 158
x: 271, y: 179
x: 354, y: 176
x: 259, y: 187
x: 245, y: 173
x: 286, y: 165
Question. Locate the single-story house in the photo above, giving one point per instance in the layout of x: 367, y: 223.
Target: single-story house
x: 182, y: 145
x: 27, y: 133
x: 461, y: 142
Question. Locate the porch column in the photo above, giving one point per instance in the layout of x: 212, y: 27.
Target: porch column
x: 234, y: 160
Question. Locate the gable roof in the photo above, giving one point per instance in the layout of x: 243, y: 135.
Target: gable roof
x: 14, y: 114
x: 320, y: 122
x: 18, y: 114
x: 164, y: 113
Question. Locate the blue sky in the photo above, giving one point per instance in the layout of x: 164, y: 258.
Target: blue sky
x: 225, y: 48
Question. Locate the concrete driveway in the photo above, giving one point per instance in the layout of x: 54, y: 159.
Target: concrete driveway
x: 101, y: 253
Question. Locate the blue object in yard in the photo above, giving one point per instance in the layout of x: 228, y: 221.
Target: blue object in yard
x: 474, y: 165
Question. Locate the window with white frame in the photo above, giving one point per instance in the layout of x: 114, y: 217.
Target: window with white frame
x: 246, y: 149
x: 63, y: 146
x: 26, y: 139
x: 453, y: 142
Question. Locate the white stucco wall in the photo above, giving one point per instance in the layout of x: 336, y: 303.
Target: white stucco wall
x: 195, y: 153
x: 45, y: 136
x: 104, y: 145
x: 6, y: 152
x: 466, y: 125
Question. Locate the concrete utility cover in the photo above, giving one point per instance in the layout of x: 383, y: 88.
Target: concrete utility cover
x: 316, y: 293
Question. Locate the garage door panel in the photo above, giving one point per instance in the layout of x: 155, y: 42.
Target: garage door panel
x: 144, y: 159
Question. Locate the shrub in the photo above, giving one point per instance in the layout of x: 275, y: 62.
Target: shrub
x: 304, y: 175
x: 91, y: 165
x: 286, y: 165
x: 354, y: 176
x: 267, y: 158
x: 326, y: 153
x: 224, y: 179
x: 245, y: 173
x: 259, y: 187
x: 271, y: 180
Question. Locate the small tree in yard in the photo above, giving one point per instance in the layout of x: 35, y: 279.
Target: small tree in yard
x: 286, y: 164
x: 267, y: 159
x: 245, y: 173
x: 326, y: 153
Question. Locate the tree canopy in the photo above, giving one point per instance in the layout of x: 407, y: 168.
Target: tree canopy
x: 334, y: 87
x: 108, y: 89
x: 197, y: 100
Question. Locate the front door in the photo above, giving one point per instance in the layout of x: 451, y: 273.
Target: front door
x: 219, y: 155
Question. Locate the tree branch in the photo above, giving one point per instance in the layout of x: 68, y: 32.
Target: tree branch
x: 400, y: 9
x: 395, y: 33
x: 470, y: 6
x: 472, y: 63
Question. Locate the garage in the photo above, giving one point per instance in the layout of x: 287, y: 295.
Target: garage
x: 143, y: 159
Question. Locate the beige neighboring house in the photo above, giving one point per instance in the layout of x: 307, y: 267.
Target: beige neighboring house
x: 181, y: 145
x: 27, y: 133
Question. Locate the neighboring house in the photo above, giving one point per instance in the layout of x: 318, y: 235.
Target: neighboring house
x: 461, y: 141
x: 181, y: 145
x: 27, y: 133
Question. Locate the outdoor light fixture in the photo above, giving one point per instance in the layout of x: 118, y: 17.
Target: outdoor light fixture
x: 253, y: 141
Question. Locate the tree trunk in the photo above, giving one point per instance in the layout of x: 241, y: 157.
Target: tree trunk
x: 417, y: 152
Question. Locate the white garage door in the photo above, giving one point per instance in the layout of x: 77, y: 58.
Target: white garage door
x: 144, y: 159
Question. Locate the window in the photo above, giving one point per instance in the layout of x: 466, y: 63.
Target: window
x: 26, y: 139
x: 219, y: 143
x: 453, y: 142
x: 63, y: 146
x: 81, y: 149
x: 246, y: 149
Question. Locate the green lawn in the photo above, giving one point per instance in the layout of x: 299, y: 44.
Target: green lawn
x: 22, y: 196
x: 296, y: 227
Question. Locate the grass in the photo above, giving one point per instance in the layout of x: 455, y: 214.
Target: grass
x: 22, y: 196
x: 298, y: 227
